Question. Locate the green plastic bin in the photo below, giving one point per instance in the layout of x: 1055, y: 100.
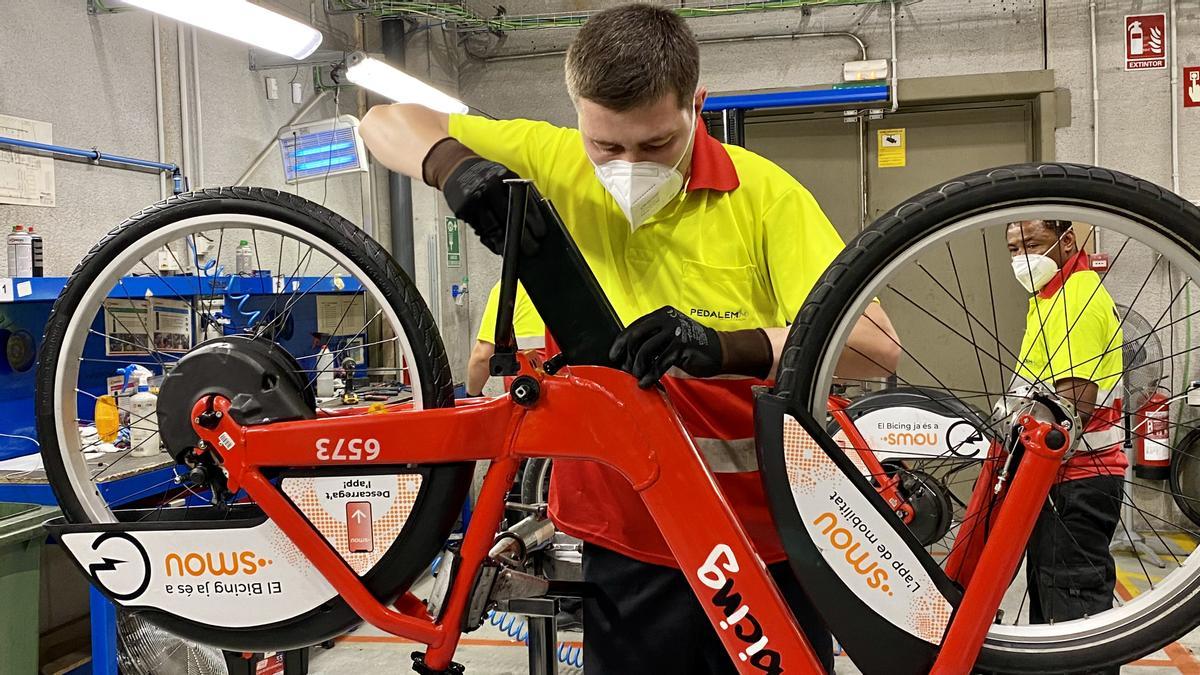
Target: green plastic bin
x: 21, y: 540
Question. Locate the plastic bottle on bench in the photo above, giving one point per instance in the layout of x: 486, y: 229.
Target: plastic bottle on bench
x: 244, y: 259
x: 143, y: 423
x: 324, y: 388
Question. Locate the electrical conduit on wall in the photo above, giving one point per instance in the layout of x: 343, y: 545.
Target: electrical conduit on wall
x: 185, y: 116
x: 158, y: 104
x: 198, y: 132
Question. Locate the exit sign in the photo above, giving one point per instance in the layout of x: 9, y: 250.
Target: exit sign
x: 453, y: 243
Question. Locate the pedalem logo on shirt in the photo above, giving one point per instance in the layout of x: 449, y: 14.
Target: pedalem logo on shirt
x: 715, y: 313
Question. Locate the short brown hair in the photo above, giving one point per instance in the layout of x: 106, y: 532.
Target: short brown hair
x: 632, y: 55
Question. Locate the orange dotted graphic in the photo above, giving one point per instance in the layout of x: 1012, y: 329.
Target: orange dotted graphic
x: 848, y: 448
x: 807, y: 464
x: 929, y: 615
x: 808, y: 468
x: 285, y: 551
x: 303, y: 493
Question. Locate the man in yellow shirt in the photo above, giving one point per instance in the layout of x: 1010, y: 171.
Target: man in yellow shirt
x: 1072, y: 345
x: 527, y: 326
x: 706, y: 252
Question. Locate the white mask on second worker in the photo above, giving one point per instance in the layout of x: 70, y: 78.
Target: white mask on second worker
x: 1034, y: 270
x: 642, y: 189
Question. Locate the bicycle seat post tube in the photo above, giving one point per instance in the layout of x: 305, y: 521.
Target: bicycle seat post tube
x: 504, y: 361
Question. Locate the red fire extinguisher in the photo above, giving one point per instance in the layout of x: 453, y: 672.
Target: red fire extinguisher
x: 1152, y: 437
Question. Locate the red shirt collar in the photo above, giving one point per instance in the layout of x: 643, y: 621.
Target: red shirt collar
x: 712, y: 169
x: 1075, y: 263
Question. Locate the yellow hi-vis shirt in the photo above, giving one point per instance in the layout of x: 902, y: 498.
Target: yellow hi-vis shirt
x: 1072, y: 330
x: 743, y: 258
x: 527, y: 324
x: 740, y: 247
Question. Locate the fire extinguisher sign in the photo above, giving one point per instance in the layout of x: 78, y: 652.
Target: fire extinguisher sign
x: 1145, y: 41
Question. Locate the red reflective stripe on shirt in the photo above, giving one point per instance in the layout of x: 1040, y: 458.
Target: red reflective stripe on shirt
x: 1107, y: 462
x: 1110, y: 461
x: 615, y: 517
x: 714, y: 408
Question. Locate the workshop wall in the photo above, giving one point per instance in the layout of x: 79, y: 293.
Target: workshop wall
x: 100, y: 92
x: 935, y: 38
x: 92, y: 77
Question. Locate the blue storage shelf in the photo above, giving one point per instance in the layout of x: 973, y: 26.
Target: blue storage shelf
x: 247, y: 299
x: 47, y: 289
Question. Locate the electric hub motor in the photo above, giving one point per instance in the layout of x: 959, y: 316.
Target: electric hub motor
x: 263, y: 382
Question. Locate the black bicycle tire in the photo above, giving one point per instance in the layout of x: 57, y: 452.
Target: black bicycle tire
x: 444, y: 486
x: 532, y: 479
x: 1179, y: 458
x: 907, y: 223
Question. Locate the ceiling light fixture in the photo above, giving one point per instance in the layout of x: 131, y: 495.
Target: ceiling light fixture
x: 379, y: 77
x: 242, y: 21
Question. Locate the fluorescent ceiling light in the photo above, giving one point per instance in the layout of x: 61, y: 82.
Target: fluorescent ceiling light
x: 241, y: 21
x: 397, y: 85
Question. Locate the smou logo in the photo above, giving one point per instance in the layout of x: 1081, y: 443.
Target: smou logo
x: 856, y: 545
x: 737, y: 615
x: 215, y: 564
x: 917, y: 438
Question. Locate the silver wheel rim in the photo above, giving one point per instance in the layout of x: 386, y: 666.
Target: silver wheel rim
x: 94, y: 505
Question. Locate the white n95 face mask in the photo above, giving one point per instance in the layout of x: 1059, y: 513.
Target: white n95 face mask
x: 1034, y: 270
x: 642, y: 189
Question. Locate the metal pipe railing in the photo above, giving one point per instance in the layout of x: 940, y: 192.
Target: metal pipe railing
x: 95, y: 156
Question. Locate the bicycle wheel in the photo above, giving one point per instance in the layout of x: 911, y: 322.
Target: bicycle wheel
x: 1185, y: 475
x: 938, y: 264
x: 313, y: 291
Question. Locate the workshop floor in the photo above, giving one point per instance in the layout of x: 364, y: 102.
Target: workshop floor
x: 488, y: 651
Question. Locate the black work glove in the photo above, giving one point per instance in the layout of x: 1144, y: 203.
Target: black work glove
x: 477, y: 193
x: 667, y: 337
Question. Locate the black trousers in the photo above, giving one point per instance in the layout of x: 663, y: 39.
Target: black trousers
x: 1070, y: 572
x: 646, y: 620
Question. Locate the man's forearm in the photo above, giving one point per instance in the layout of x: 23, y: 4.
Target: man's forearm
x: 1080, y: 393
x: 478, y: 366
x: 400, y: 135
x: 873, y: 349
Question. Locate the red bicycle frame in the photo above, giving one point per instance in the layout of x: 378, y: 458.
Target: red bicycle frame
x: 596, y: 414
x: 887, y: 486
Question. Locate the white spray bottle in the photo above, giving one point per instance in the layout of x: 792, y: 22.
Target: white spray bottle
x: 143, y: 422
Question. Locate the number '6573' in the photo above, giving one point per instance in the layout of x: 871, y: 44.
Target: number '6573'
x: 347, y: 449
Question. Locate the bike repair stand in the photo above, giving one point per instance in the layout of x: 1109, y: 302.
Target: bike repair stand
x: 543, y: 632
